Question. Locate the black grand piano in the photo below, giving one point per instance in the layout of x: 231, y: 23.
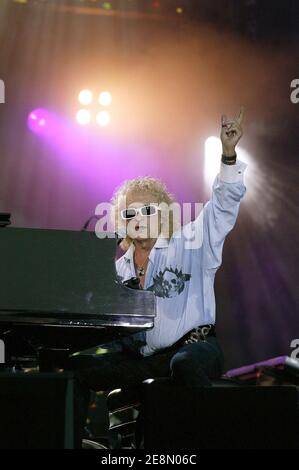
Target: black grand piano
x: 59, y: 290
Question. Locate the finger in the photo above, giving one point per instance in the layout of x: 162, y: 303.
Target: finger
x: 232, y: 123
x: 223, y: 120
x: 235, y: 129
x: 239, y: 119
x: 234, y: 133
x: 233, y: 126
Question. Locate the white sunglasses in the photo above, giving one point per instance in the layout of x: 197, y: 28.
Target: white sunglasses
x: 131, y: 212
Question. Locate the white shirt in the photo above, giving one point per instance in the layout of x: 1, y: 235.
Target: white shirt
x: 181, y: 272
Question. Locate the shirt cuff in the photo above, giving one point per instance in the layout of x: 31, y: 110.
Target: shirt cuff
x: 232, y: 173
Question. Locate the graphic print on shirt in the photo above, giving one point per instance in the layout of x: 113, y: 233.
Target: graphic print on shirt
x: 169, y: 283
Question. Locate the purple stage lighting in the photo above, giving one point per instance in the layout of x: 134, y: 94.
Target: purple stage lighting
x: 37, y: 120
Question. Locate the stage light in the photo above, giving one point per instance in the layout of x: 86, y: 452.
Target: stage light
x: 83, y: 117
x: 103, y: 118
x: 213, y: 151
x: 179, y: 10
x: 105, y: 98
x: 37, y: 119
x: 85, y: 97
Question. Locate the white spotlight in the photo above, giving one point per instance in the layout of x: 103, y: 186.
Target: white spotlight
x: 103, y: 118
x: 105, y: 98
x: 213, y: 152
x: 83, y: 117
x: 85, y: 97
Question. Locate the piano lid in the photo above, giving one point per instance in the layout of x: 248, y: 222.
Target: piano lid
x: 67, y: 278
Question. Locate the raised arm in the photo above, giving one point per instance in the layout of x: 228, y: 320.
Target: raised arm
x: 220, y: 213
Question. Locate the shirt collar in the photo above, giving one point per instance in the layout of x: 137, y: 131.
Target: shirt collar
x: 161, y: 242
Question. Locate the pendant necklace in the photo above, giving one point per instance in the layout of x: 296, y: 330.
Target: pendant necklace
x: 140, y: 269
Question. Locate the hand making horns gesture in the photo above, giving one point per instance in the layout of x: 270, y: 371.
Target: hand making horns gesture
x: 231, y: 133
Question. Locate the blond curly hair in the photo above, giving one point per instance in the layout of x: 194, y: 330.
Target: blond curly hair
x: 158, y: 190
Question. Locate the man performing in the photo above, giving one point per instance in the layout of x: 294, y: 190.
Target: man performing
x: 182, y: 345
